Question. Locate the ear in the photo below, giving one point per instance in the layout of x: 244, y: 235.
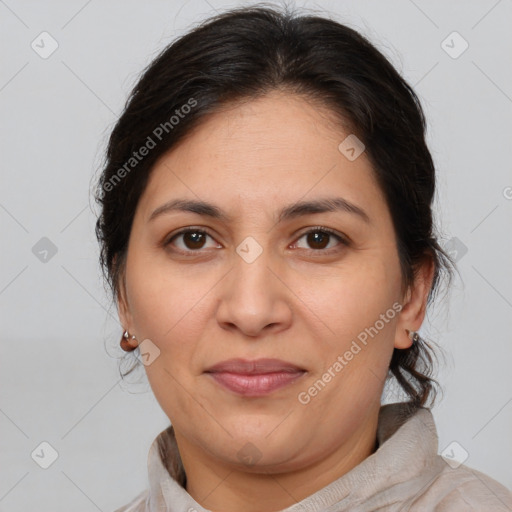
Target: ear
x: 123, y: 308
x: 415, y: 303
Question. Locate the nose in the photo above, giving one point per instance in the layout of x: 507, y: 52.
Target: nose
x: 254, y: 298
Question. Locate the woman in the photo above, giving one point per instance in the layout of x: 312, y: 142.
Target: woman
x: 267, y: 232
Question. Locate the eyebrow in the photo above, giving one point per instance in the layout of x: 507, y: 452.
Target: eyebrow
x: 287, y: 213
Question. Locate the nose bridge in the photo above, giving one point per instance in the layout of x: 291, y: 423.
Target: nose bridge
x: 251, y: 273
x: 251, y: 297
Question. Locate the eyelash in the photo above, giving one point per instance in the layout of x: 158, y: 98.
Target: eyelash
x: 317, y: 229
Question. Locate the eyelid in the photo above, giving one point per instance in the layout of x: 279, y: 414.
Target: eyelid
x: 189, y: 229
x: 342, y: 238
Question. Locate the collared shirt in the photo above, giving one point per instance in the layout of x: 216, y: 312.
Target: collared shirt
x: 405, y: 473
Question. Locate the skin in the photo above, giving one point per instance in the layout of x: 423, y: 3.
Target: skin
x: 301, y: 301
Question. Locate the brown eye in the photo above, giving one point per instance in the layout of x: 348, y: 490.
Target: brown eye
x: 194, y: 239
x: 319, y: 239
x: 189, y: 240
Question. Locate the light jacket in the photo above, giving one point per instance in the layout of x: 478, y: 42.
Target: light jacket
x: 404, y: 474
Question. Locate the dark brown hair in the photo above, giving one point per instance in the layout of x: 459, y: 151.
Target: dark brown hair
x: 243, y: 54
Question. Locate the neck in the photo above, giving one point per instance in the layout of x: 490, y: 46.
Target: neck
x: 223, y: 487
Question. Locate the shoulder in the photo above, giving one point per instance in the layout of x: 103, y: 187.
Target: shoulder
x: 464, y: 489
x: 138, y: 504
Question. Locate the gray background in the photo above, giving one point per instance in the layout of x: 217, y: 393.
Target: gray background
x: 60, y: 382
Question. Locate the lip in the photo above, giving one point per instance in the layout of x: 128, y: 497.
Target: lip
x: 254, y: 378
x: 255, y: 366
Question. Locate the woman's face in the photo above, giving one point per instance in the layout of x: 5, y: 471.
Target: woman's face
x: 257, y: 285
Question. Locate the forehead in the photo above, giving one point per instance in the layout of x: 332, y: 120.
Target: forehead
x: 277, y: 148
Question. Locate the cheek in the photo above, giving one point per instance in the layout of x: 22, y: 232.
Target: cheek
x: 354, y: 298
x: 165, y: 303
x: 359, y: 307
x: 169, y: 313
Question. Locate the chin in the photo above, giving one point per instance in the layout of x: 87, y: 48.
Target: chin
x: 263, y: 447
